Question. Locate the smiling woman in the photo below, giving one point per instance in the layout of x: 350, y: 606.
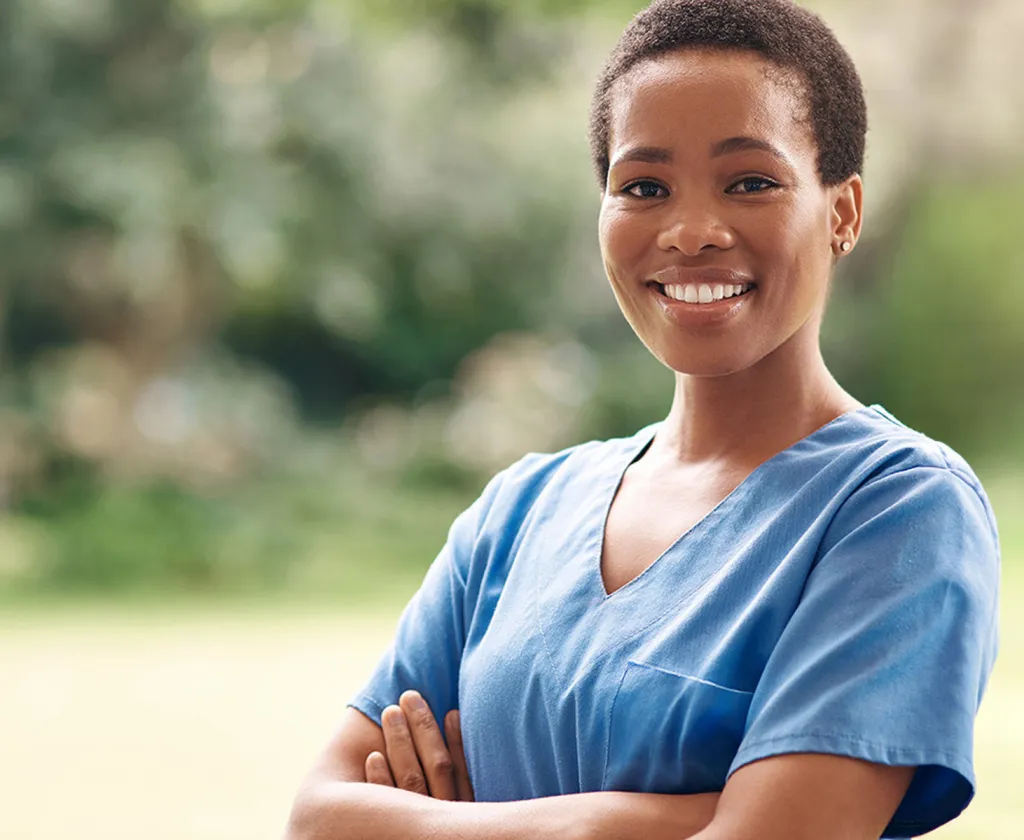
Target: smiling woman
x: 705, y: 155
x: 772, y: 614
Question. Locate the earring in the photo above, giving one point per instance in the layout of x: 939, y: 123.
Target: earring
x: 846, y: 246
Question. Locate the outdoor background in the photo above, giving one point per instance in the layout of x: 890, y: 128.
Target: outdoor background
x: 282, y: 282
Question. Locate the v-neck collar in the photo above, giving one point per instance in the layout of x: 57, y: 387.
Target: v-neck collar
x: 640, y: 443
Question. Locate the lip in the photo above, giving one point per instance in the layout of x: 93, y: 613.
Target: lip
x: 680, y: 275
x: 701, y: 315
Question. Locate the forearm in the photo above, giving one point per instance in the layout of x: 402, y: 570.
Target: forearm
x: 336, y: 810
x: 614, y: 815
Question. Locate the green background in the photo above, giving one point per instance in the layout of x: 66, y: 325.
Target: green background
x: 284, y: 281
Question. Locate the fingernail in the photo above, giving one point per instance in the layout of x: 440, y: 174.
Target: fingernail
x: 416, y: 702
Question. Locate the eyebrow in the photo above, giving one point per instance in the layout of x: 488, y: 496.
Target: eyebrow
x: 645, y: 154
x: 732, y: 145
x: 745, y: 144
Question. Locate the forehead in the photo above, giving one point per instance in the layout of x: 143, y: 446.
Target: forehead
x: 699, y: 95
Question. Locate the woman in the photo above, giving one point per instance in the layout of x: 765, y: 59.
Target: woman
x: 771, y: 615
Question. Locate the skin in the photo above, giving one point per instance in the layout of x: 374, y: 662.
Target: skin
x: 765, y: 216
x: 747, y: 387
x: 714, y: 169
x: 417, y: 755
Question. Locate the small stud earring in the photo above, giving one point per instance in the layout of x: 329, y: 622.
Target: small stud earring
x: 846, y: 246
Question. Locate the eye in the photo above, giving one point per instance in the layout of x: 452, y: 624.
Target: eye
x: 645, y: 189
x: 752, y: 185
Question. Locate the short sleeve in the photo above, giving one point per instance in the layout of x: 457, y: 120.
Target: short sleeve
x: 426, y: 652
x: 890, y: 647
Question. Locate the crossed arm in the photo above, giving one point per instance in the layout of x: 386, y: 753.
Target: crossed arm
x: 400, y: 781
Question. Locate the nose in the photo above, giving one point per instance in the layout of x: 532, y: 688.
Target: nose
x: 692, y: 227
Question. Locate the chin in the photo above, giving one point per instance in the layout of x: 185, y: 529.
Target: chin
x: 703, y: 362
x: 710, y: 370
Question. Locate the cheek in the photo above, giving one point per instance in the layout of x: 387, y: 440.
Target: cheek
x: 814, y: 253
x: 622, y: 241
x: 623, y: 246
x: 799, y: 244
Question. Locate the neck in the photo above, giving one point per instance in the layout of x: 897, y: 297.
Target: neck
x: 747, y: 417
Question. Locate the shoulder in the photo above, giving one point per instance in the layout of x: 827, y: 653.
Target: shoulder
x: 543, y: 487
x: 889, y: 455
x: 864, y: 458
x: 914, y: 509
x: 899, y: 447
x: 524, y: 481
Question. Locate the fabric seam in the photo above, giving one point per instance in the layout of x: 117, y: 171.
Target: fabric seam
x: 691, y: 677
x: 748, y: 747
x: 948, y: 468
x: 608, y: 739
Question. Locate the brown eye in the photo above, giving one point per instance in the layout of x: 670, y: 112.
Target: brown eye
x: 749, y: 186
x: 645, y: 189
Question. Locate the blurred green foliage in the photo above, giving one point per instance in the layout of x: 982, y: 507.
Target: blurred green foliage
x: 284, y: 281
x: 948, y: 340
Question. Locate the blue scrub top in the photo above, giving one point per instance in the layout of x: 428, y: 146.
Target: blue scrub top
x: 842, y: 599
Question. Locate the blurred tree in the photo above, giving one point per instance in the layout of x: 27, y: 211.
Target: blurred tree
x: 231, y: 174
x: 230, y: 225
x: 945, y: 346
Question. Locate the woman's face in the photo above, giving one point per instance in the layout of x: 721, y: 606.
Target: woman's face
x: 716, y: 233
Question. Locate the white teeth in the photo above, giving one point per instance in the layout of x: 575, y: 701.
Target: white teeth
x: 704, y: 293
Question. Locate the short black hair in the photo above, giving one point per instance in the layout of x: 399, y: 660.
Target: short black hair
x: 784, y: 33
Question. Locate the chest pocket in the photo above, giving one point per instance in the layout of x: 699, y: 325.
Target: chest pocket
x: 672, y: 733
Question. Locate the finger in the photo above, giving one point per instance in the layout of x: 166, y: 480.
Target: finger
x: 453, y: 730
x: 401, y: 752
x: 377, y: 770
x: 433, y: 755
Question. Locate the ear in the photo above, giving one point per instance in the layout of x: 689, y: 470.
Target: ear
x: 847, y: 214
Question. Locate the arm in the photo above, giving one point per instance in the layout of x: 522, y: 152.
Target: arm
x: 786, y: 797
x: 805, y: 796
x: 335, y: 802
x: 371, y: 812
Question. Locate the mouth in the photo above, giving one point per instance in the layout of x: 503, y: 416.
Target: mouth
x: 702, y: 294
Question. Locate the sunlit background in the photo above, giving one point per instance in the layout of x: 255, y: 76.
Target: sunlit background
x: 284, y: 281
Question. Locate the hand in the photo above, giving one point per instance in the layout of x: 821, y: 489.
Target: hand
x: 417, y: 759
